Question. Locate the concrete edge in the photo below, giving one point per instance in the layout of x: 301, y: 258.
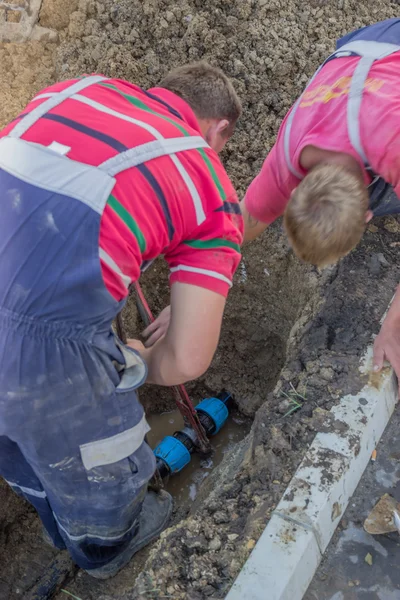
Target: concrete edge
x: 288, y: 553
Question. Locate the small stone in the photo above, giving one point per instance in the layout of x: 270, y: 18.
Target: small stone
x: 250, y: 544
x: 392, y: 225
x: 283, y: 406
x: 215, y: 544
x: 169, y: 16
x: 276, y: 482
x: 232, y: 537
x: 221, y: 517
x: 382, y: 260
x: 13, y: 16
x: 195, y: 542
x: 96, y: 55
x: 372, y: 228
x: 368, y: 559
x: 327, y: 373
x: 134, y: 34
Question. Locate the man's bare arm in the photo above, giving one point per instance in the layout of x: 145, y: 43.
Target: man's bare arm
x: 186, y: 350
x: 252, y: 227
x: 387, y: 342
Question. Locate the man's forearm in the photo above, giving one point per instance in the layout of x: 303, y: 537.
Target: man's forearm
x: 252, y: 227
x: 157, y: 358
x: 163, y: 364
x: 186, y: 350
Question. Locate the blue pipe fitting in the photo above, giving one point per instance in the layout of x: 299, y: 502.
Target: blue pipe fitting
x: 216, y: 410
x: 173, y: 453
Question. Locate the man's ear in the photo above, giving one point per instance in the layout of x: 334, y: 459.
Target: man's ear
x: 216, y: 134
x: 368, y: 216
x: 222, y: 126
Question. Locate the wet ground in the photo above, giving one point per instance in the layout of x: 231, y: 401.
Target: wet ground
x: 285, y: 324
x: 357, y: 565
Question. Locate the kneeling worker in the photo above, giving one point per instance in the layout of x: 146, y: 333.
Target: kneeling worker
x: 97, y: 178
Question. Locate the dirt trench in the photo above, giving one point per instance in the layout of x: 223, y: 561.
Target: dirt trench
x: 286, y: 326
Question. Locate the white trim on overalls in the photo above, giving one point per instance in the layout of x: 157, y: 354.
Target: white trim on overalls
x: 368, y: 52
x: 49, y: 170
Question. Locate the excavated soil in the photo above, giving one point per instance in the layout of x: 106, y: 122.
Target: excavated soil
x: 286, y: 325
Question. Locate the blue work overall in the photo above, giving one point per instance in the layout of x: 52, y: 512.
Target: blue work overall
x: 71, y: 428
x: 370, y: 44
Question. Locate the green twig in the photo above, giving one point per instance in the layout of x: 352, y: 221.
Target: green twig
x: 72, y: 595
x: 293, y: 397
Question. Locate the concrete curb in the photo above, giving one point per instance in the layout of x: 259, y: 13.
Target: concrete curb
x: 290, y: 549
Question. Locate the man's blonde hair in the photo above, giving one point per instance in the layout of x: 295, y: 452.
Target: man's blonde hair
x: 325, y: 216
x: 207, y: 90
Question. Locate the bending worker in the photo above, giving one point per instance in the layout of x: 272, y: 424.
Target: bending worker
x: 335, y: 163
x: 97, y: 178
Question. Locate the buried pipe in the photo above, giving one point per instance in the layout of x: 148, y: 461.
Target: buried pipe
x: 174, y: 452
x: 54, y: 577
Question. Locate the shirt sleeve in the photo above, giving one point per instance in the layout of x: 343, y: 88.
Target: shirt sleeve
x: 209, y: 257
x: 265, y: 200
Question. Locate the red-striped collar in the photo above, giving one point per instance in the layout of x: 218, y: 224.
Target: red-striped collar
x: 179, y: 105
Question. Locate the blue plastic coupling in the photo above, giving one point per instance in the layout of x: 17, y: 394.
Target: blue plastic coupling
x: 216, y: 410
x: 175, y: 455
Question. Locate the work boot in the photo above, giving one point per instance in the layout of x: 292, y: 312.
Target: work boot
x: 154, y: 517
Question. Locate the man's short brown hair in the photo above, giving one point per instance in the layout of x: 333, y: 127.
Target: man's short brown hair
x: 325, y: 217
x: 207, y: 90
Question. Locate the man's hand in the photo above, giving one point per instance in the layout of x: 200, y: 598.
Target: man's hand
x: 158, y: 328
x: 252, y: 227
x: 136, y: 345
x: 139, y: 347
x: 387, y: 343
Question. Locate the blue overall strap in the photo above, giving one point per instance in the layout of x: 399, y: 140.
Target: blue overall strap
x: 387, y: 31
x: 369, y: 52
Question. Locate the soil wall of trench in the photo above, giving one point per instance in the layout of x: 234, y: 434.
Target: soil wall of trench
x: 286, y: 325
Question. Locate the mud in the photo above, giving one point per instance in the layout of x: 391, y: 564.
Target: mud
x: 287, y: 327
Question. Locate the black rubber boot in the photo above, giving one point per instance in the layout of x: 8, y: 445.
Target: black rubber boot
x: 154, y: 517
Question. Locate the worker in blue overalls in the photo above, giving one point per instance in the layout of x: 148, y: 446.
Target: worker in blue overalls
x: 97, y: 178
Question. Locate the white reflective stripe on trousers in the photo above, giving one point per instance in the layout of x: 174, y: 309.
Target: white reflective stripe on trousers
x: 28, y: 491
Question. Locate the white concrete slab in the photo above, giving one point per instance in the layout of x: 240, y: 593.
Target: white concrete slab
x: 273, y: 570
